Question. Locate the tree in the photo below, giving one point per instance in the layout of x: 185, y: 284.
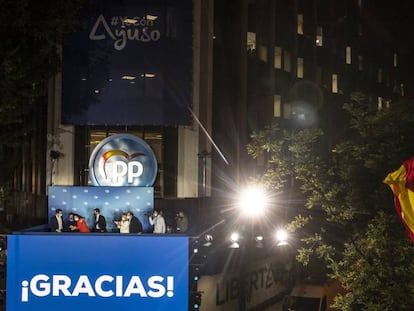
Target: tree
x: 31, y: 33
x: 349, y: 222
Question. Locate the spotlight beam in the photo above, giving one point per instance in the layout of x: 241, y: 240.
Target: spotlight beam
x: 209, y: 137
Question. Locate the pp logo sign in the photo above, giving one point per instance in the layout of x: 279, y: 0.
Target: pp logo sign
x: 123, y: 160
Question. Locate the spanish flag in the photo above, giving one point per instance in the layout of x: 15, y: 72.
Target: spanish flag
x: 402, y: 185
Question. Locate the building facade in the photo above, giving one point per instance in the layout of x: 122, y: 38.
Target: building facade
x: 254, y: 62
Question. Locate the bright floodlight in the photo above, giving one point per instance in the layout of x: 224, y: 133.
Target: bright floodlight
x: 208, y: 240
x: 259, y: 238
x: 253, y: 201
x: 281, y: 237
x: 234, y: 237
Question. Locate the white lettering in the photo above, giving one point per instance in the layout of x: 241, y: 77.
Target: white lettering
x: 119, y: 285
x: 158, y: 290
x: 98, y: 286
x: 25, y: 291
x: 133, y: 34
x: 61, y: 283
x: 42, y: 289
x: 155, y: 35
x: 145, y: 37
x: 131, y: 29
x: 117, y: 172
x: 94, y: 36
x: 83, y: 286
x: 120, y: 43
x: 135, y: 287
x: 135, y: 169
x: 42, y: 285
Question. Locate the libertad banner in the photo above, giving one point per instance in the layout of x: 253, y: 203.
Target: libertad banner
x: 130, y: 64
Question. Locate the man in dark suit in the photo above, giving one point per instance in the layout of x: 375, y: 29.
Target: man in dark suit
x: 135, y: 226
x: 100, y: 221
x: 56, y: 222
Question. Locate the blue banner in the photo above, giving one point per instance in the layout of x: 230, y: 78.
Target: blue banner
x: 130, y: 64
x: 96, y: 272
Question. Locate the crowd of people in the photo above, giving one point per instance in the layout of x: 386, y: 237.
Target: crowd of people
x: 128, y: 223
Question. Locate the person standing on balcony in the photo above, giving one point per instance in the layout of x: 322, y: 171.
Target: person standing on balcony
x: 56, y: 222
x: 100, y: 221
x: 158, y: 221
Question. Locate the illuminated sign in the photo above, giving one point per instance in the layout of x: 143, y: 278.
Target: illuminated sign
x: 96, y: 272
x: 43, y: 285
x: 131, y: 63
x: 123, y: 160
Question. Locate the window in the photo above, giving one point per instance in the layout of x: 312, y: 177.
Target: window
x: 319, y: 36
x: 379, y: 103
x: 278, y: 57
x: 348, y: 57
x: 277, y: 106
x: 262, y: 53
x: 286, y: 61
x: 395, y: 60
x: 299, y: 69
x: 334, y: 83
x: 360, y: 63
x: 387, y: 103
x: 251, y: 41
x: 379, y: 75
x: 360, y: 4
x: 300, y: 24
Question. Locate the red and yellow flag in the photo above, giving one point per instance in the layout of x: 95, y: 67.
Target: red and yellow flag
x: 401, y: 182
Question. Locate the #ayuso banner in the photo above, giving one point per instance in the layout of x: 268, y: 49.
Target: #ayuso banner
x: 96, y: 272
x: 129, y: 64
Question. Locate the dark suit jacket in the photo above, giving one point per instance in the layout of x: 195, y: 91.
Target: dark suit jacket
x: 135, y: 226
x: 101, y: 223
x: 53, y: 224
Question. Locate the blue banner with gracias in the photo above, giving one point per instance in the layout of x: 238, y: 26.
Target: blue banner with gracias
x: 96, y: 272
x: 130, y: 64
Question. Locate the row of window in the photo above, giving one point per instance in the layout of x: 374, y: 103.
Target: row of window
x: 319, y: 30
x: 263, y: 55
x: 287, y: 112
x: 282, y: 60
